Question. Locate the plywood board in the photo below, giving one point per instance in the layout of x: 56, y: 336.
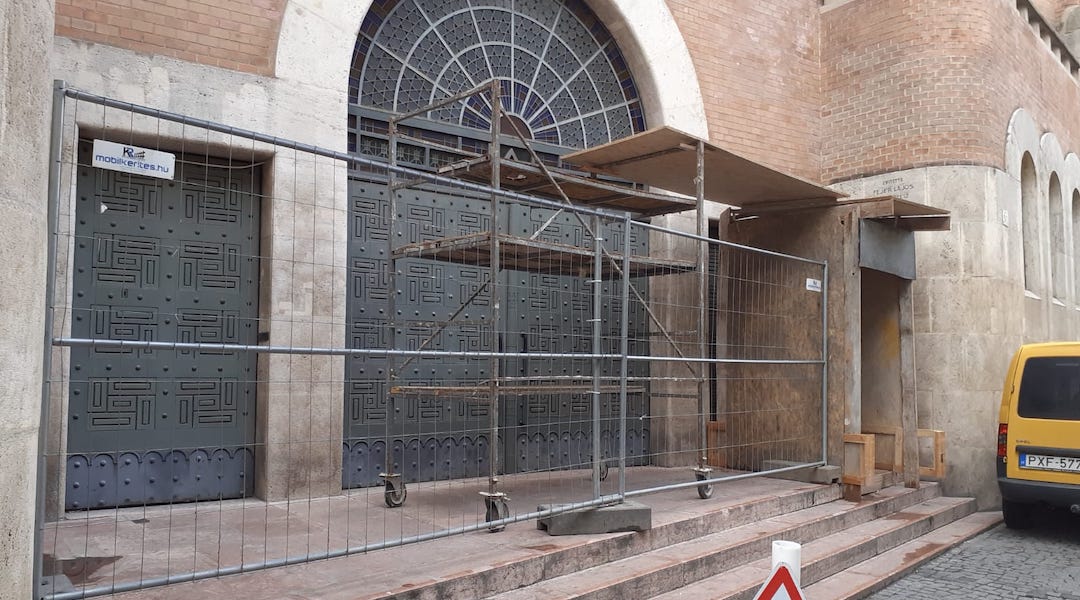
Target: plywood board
x: 666, y: 158
x: 587, y: 191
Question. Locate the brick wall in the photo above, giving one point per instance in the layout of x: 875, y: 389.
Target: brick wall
x: 757, y: 62
x: 934, y: 82
x: 232, y: 34
x: 865, y: 87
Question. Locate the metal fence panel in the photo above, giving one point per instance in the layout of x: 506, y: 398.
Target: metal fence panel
x: 352, y: 338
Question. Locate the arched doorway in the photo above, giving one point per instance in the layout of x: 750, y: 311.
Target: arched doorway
x: 564, y: 79
x: 563, y: 74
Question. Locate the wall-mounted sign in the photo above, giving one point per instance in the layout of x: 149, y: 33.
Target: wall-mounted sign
x: 813, y: 285
x: 133, y: 159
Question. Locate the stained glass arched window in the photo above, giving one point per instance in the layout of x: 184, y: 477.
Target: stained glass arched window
x: 562, y: 74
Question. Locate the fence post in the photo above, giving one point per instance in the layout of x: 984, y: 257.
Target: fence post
x: 55, y: 157
x: 624, y: 351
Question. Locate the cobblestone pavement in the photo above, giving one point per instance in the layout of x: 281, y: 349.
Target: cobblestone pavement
x: 1038, y: 563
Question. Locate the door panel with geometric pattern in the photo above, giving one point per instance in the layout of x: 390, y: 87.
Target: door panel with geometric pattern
x: 160, y: 260
x: 550, y: 314
x: 432, y: 437
x: 443, y: 436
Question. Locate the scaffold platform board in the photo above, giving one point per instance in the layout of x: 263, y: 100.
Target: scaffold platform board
x: 537, y: 256
x: 483, y: 392
x: 586, y: 191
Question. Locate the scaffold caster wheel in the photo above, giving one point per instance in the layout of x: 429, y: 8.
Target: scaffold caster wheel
x: 704, y: 491
x: 497, y: 509
x: 395, y: 495
x: 604, y: 470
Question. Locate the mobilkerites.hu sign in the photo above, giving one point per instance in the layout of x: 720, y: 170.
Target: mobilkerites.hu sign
x: 133, y: 159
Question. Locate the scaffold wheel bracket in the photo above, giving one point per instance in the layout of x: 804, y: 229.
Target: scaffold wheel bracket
x: 395, y: 493
x: 605, y: 468
x: 704, y: 490
x: 497, y: 508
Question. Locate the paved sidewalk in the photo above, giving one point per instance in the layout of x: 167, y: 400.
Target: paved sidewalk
x: 1038, y: 563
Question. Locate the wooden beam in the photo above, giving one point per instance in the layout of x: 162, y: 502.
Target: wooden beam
x: 895, y: 465
x: 936, y: 469
x: 909, y: 419
x: 858, y: 467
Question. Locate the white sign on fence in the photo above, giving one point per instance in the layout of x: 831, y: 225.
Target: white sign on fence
x: 133, y: 159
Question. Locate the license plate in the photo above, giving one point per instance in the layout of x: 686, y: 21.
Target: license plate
x: 1050, y: 463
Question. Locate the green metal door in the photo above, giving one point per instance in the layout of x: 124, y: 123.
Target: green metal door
x: 159, y: 260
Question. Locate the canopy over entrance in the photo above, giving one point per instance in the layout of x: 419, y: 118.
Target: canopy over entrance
x: 666, y: 158
x: 900, y: 213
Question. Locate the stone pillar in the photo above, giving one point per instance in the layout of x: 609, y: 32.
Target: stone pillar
x: 305, y: 233
x: 26, y: 32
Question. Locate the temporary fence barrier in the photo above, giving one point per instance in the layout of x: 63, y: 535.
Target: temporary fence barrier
x: 263, y: 352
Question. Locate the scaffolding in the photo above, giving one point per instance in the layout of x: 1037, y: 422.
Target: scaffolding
x: 497, y: 251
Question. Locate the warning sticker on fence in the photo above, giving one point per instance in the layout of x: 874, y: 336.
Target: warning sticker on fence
x: 813, y: 285
x: 133, y: 159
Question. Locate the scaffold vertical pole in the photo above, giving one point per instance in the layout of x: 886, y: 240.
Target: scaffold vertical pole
x: 597, y: 281
x: 495, y: 501
x: 624, y: 351
x: 702, y: 470
x: 394, y: 483
x: 825, y: 363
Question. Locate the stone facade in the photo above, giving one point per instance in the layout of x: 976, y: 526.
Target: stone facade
x: 25, y: 89
x: 306, y: 101
x: 936, y: 101
x: 948, y: 124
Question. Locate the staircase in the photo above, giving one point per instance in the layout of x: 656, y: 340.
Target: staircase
x: 717, y: 548
x: 849, y: 550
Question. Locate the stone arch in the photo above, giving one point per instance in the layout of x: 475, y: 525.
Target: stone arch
x: 1047, y: 180
x: 646, y: 33
x: 1029, y: 222
x: 1058, y: 254
x: 1022, y: 136
x: 1051, y: 162
x: 650, y: 38
x: 1074, y: 205
x: 1023, y: 146
x: 1063, y: 176
x: 1070, y: 191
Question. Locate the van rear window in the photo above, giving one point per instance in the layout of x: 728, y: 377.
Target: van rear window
x: 1050, y: 389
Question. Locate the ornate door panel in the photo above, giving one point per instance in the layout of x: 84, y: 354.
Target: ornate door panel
x: 565, y: 82
x: 159, y: 260
x: 445, y: 436
x: 551, y: 314
x: 433, y: 436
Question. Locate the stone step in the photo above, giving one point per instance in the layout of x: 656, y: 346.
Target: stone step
x: 466, y: 569
x: 833, y: 553
x: 672, y: 566
x: 869, y: 576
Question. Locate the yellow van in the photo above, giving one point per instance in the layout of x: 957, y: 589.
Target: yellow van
x: 1038, y: 448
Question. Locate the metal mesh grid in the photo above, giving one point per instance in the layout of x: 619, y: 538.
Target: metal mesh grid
x: 373, y: 354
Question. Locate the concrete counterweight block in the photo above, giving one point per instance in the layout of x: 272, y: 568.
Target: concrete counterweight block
x: 628, y: 516
x: 820, y: 474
